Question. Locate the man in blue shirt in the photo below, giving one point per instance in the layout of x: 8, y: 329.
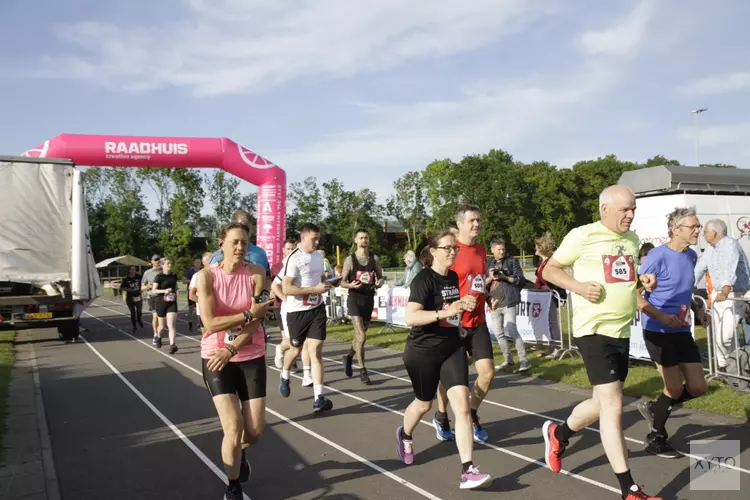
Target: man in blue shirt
x: 666, y: 326
x: 727, y: 263
x: 255, y: 254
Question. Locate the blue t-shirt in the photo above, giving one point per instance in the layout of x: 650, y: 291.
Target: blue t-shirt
x: 674, y: 285
x: 255, y: 255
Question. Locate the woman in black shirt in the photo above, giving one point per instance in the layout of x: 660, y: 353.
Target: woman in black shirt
x: 131, y: 285
x: 165, y: 289
x: 435, y: 354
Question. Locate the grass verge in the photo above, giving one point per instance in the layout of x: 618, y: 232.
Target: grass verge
x: 643, y: 379
x: 6, y: 364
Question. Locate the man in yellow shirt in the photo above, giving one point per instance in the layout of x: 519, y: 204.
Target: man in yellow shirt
x: 603, y: 256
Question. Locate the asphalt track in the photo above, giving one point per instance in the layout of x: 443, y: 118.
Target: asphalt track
x: 129, y: 421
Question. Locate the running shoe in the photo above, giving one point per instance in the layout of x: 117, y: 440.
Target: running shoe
x: 244, y: 468
x: 504, y: 364
x: 658, y: 445
x: 284, y: 388
x: 645, y: 408
x: 636, y: 493
x: 158, y: 342
x: 233, y: 493
x: 553, y: 448
x: 525, y: 366
x: 322, y: 404
x: 473, y: 479
x: 364, y: 377
x: 307, y: 380
x: 405, y: 450
x: 173, y: 349
x: 443, y: 430
x: 480, y: 435
x: 278, y: 359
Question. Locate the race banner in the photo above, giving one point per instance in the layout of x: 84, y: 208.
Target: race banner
x: 532, y: 316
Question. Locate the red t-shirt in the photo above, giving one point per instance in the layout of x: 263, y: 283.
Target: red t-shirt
x: 471, y: 267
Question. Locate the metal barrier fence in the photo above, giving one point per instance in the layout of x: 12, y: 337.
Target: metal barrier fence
x: 727, y: 348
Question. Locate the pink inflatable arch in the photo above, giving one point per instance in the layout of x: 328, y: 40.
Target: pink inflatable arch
x: 184, y: 152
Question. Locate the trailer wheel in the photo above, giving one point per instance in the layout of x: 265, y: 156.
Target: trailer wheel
x: 69, y: 331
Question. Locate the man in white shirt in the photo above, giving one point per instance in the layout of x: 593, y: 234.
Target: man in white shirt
x: 303, y: 285
x: 193, y: 287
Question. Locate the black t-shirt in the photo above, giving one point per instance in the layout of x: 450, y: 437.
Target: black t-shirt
x: 435, y: 292
x: 165, y: 281
x: 131, y: 286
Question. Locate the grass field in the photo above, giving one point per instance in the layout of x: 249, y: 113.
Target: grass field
x: 643, y: 379
x: 6, y: 363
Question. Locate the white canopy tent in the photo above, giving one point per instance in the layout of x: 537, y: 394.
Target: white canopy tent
x: 113, y: 270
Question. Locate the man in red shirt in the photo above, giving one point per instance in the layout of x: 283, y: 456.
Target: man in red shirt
x: 471, y: 267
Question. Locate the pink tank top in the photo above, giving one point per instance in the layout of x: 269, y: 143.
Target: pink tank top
x: 233, y: 293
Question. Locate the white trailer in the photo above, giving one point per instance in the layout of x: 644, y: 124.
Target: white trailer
x: 47, y: 271
x: 716, y: 193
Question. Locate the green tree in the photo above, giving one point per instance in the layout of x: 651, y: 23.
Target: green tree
x: 224, y: 193
x: 184, y: 216
x: 407, y: 205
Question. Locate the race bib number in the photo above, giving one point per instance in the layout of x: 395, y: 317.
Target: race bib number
x: 451, y: 321
x: 618, y: 268
x: 137, y: 299
x: 685, y: 314
x: 477, y: 284
x: 311, y: 300
x: 232, y: 334
x: 169, y: 297
x: 365, y: 277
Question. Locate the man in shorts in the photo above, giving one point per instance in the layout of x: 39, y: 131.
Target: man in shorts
x: 197, y: 265
x: 603, y: 256
x: 362, y: 275
x: 471, y: 267
x: 149, y: 277
x: 303, y: 286
x: 193, y: 285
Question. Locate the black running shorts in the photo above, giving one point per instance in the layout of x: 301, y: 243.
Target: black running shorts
x: 360, y: 305
x: 163, y: 307
x: 427, y: 369
x: 672, y: 349
x: 308, y: 324
x: 478, y: 342
x: 605, y: 358
x: 246, y: 379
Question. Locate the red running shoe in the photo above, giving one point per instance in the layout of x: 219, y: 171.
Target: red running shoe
x: 636, y: 493
x: 553, y: 448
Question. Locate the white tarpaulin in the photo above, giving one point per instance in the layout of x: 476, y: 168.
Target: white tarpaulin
x: 44, y: 231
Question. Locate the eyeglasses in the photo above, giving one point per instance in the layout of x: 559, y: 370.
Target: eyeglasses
x: 449, y: 248
x: 693, y: 228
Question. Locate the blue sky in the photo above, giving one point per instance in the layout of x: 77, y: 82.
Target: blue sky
x: 366, y: 91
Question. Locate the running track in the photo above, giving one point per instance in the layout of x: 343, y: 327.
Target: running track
x: 130, y: 421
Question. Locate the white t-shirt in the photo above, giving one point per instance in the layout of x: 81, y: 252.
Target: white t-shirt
x: 307, y: 270
x: 194, y: 284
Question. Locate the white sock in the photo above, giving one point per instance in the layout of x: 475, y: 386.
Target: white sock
x: 285, y: 374
x: 317, y: 390
x: 306, y: 371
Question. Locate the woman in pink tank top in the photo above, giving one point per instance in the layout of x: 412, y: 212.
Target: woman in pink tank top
x: 233, y: 350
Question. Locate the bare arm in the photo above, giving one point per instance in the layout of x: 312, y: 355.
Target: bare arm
x: 554, y: 273
x: 258, y: 310
x: 192, y: 295
x: 378, y: 273
x: 289, y: 288
x: 345, y: 283
x: 277, y: 290
x: 417, y: 316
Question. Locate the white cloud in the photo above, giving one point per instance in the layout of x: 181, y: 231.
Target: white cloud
x: 718, y: 84
x: 229, y: 46
x: 625, y: 37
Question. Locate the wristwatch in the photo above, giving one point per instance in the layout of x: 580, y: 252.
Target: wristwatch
x: 248, y: 316
x: 231, y: 349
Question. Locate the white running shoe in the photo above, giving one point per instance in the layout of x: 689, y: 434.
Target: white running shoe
x: 278, y: 359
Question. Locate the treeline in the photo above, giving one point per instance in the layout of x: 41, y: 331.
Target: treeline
x: 519, y: 201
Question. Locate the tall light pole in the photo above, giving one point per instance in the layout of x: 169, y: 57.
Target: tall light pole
x: 696, y: 112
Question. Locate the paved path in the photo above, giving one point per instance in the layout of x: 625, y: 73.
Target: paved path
x: 130, y: 421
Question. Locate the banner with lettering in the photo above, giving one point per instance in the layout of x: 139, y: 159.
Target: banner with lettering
x: 532, y: 316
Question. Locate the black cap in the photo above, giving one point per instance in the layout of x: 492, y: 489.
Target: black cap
x: 156, y: 256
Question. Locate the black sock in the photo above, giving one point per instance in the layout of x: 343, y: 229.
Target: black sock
x: 465, y: 466
x: 685, y: 396
x: 474, y: 416
x: 404, y: 435
x: 661, y: 410
x: 563, y: 433
x: 626, y: 481
x: 234, y: 484
x: 440, y: 416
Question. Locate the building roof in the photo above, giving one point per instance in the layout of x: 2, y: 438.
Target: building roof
x: 696, y: 180
x: 123, y: 260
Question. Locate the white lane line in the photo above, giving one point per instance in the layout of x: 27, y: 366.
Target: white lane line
x: 501, y: 405
x: 162, y: 417
x: 396, y: 412
x: 317, y: 436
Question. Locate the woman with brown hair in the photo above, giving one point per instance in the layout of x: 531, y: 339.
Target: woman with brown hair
x: 435, y: 353
x: 545, y: 247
